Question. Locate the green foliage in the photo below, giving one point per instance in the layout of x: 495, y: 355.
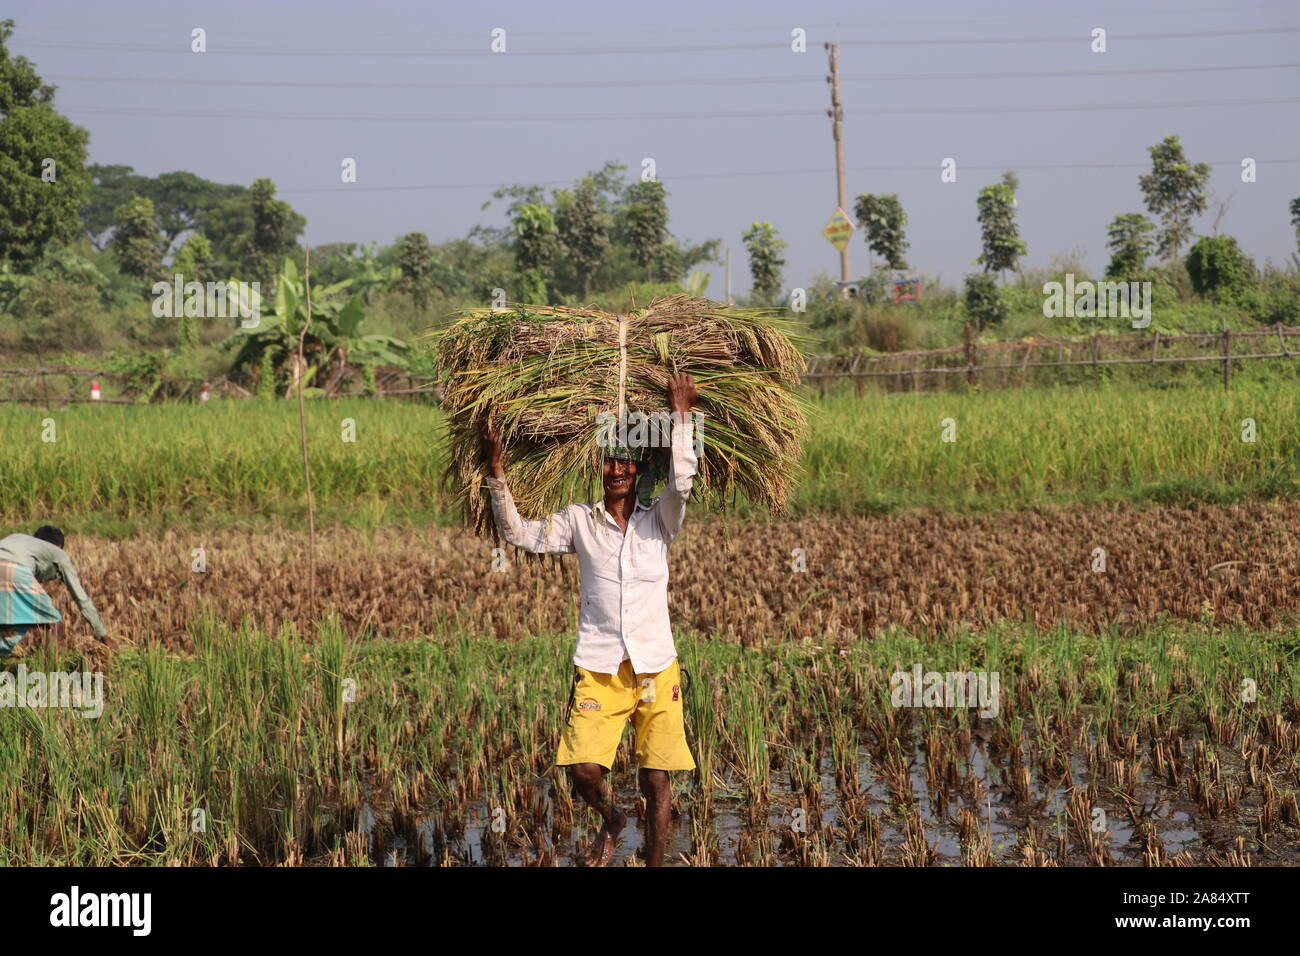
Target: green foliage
x: 194, y: 259
x: 33, y: 211
x: 765, y: 260
x: 883, y: 219
x: 415, y: 262
x: 180, y: 200
x: 250, y: 231
x: 19, y: 84
x: 984, y: 303
x: 137, y: 243
x: 1174, y: 191
x: 332, y: 340
x: 535, y: 246
x: 1218, y: 268
x: 370, y: 270
x: 1130, y: 243
x: 1295, y: 219
x: 999, y: 233
x: 644, y: 223
x: 583, y: 232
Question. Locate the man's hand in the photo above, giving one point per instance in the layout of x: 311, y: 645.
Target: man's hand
x: 493, y: 452
x: 682, y: 393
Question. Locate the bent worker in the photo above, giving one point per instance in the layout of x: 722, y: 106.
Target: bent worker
x: 26, y: 562
x: 625, y: 660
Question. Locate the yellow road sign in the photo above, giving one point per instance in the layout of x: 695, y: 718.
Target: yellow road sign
x: 839, y: 229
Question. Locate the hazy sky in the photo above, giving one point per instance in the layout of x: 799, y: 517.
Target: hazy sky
x: 735, y: 121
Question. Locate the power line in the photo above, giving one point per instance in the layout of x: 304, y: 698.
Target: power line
x: 1235, y: 10
x: 710, y: 81
x: 931, y: 168
x: 781, y: 28
x: 183, y: 49
x: 170, y: 113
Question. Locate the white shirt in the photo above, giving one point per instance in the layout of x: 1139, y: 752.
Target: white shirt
x: 624, y: 612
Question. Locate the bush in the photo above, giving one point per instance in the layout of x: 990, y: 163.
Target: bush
x: 1218, y: 268
x: 984, y: 303
x: 58, y: 313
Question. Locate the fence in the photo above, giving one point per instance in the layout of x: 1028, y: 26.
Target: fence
x: 1008, y: 363
x: 73, y: 385
x: 999, y: 364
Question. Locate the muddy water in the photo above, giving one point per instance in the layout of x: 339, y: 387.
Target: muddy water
x: 999, y: 816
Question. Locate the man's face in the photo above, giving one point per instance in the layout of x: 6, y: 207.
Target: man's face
x: 620, y: 476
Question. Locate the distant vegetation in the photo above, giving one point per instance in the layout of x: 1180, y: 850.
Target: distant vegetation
x: 83, y: 244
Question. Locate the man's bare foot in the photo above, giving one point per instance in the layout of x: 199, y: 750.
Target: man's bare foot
x: 602, y: 850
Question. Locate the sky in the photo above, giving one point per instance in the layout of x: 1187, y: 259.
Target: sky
x: 733, y: 118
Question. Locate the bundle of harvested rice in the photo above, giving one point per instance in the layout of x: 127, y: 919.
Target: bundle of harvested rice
x: 550, y: 378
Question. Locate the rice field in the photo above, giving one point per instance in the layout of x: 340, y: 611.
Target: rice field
x: 256, y: 748
x: 1222, y: 565
x: 1116, y: 564
x: 116, y: 469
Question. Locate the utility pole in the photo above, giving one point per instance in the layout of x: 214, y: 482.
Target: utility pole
x: 837, y: 116
x: 728, y: 275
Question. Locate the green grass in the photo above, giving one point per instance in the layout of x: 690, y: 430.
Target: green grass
x: 119, y: 469
x: 254, y: 729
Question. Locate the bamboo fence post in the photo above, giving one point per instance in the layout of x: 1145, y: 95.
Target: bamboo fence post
x: 1227, y: 353
x: 972, y: 355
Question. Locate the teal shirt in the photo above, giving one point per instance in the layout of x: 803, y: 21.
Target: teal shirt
x: 48, y: 562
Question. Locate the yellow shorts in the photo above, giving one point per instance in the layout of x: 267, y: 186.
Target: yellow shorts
x: 603, y: 704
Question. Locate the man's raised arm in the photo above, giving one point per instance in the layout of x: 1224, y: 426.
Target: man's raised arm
x: 682, y: 395
x: 550, y: 535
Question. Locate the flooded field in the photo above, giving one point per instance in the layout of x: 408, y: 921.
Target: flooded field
x: 1177, y: 746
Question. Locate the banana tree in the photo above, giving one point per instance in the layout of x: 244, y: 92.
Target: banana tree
x: 333, y: 337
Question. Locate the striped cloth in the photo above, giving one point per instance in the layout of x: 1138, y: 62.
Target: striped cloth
x: 23, y: 604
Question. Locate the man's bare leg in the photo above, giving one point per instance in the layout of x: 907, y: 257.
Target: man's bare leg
x: 589, y: 780
x: 658, y: 802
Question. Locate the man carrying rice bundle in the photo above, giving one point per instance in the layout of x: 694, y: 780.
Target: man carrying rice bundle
x: 26, y: 562
x: 626, y: 661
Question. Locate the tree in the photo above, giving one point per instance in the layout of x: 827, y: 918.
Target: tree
x: 984, y: 303
x: 192, y: 262
x: 1174, y: 191
x: 415, y: 259
x: 274, y: 232
x: 645, y: 223
x: 883, y: 219
x: 1217, y: 267
x: 180, y: 198
x: 250, y: 232
x: 137, y: 243
x: 33, y: 211
x: 194, y: 258
x: 583, y: 231
x: 1130, y: 243
x: 765, y: 261
x: 1295, y: 219
x: 110, y: 187
x: 997, y: 219
x: 534, y: 247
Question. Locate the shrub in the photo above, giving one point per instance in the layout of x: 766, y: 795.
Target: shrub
x: 1218, y: 268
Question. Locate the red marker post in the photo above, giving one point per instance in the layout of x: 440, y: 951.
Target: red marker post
x: 203, y: 394
x: 94, y: 392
